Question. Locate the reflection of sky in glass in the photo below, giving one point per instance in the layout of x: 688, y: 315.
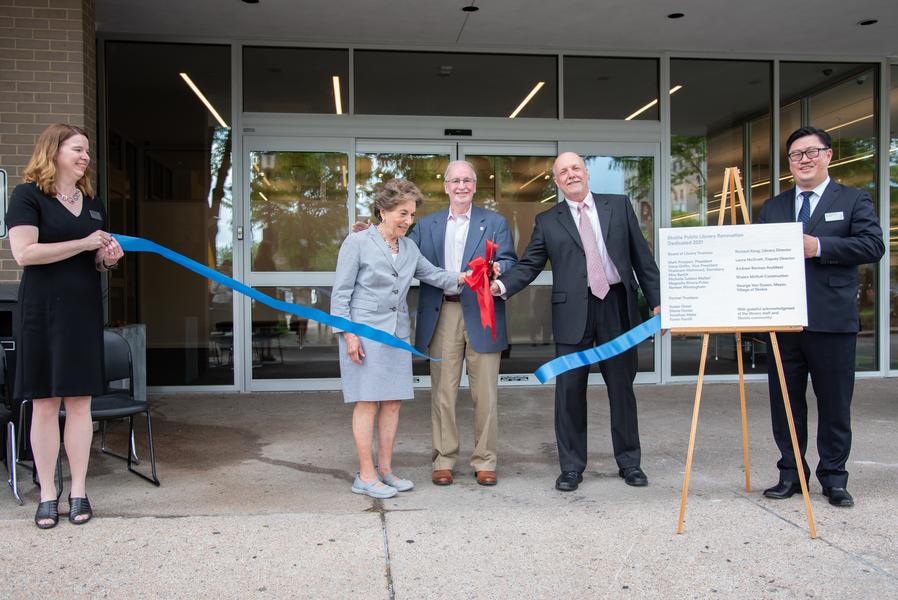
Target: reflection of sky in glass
x: 604, y: 177
x: 224, y: 234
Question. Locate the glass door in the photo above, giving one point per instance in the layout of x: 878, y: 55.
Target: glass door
x: 515, y: 180
x: 631, y: 169
x: 298, y: 213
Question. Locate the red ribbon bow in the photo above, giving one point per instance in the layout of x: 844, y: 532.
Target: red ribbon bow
x: 479, y: 282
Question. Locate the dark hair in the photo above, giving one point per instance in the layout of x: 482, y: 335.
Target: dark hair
x: 395, y: 192
x: 801, y: 132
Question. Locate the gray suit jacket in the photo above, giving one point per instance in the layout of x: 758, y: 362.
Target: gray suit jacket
x: 371, y: 288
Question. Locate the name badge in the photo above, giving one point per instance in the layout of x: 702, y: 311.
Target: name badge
x: 834, y: 216
x: 95, y: 214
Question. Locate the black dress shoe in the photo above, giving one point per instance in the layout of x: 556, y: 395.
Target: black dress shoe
x: 568, y: 481
x: 838, y: 497
x: 783, y: 490
x: 633, y: 476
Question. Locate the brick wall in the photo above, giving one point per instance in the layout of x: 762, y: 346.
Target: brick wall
x: 48, y: 74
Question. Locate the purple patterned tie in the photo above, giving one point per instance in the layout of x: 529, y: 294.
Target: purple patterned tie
x: 598, y: 281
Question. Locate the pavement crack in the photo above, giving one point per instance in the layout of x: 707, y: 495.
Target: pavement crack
x: 849, y: 553
x: 378, y: 507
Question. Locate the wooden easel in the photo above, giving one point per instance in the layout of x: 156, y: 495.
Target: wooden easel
x: 732, y: 188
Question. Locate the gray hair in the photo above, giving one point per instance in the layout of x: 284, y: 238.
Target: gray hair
x: 455, y: 163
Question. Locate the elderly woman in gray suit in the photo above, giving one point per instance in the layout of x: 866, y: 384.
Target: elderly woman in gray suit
x: 374, y: 271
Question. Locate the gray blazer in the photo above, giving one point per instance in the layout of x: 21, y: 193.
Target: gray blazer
x: 370, y: 288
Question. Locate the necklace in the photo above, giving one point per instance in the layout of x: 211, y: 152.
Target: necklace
x: 393, y: 244
x: 72, y: 198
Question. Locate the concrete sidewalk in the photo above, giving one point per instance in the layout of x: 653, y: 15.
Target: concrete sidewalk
x: 255, y: 503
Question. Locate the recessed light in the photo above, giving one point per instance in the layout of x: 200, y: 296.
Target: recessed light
x: 676, y: 15
x: 865, y: 22
x: 471, y: 8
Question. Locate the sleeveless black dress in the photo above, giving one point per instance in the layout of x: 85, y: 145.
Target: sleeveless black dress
x: 60, y: 329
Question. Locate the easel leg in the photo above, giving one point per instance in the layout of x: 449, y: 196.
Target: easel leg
x: 698, y: 400
x: 745, y: 462
x: 799, y: 465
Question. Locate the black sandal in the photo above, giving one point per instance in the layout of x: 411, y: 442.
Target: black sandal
x: 48, y: 510
x: 79, y: 507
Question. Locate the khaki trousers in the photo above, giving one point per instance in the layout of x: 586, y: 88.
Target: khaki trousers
x: 450, y: 343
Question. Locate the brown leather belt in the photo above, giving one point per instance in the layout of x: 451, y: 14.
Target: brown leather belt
x: 449, y: 298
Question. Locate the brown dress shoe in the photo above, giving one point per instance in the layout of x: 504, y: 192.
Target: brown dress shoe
x: 441, y: 477
x: 486, y: 477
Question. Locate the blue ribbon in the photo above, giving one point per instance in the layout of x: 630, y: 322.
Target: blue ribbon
x: 621, y: 343
x: 136, y: 244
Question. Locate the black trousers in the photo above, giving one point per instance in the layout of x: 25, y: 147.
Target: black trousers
x: 606, y: 319
x: 829, y: 359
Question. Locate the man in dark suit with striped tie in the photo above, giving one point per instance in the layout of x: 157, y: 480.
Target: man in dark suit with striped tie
x: 840, y: 232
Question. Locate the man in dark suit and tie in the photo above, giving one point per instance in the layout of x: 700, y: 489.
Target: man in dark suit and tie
x: 599, y: 260
x: 449, y: 328
x: 840, y: 232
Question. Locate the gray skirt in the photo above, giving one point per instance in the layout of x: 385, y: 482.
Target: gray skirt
x: 385, y: 373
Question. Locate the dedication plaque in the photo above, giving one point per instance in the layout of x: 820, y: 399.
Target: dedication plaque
x: 733, y: 276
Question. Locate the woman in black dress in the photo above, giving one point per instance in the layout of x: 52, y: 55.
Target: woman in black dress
x: 56, y: 232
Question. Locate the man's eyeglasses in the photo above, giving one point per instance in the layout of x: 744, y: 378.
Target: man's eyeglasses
x: 810, y: 153
x: 456, y: 181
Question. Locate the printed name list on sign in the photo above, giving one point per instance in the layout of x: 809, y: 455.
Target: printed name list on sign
x: 733, y: 276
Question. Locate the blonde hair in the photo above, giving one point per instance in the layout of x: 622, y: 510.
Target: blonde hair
x: 41, y: 168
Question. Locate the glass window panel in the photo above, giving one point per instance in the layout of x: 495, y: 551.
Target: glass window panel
x: 610, y: 88
x: 893, y: 220
x: 298, y: 205
x: 840, y: 98
x: 710, y: 132
x: 635, y: 177
x: 294, y: 80
x: 168, y: 177
x: 423, y: 169
x: 455, y: 84
x: 518, y: 188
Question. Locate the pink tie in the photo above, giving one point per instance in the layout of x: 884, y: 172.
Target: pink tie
x: 598, y: 281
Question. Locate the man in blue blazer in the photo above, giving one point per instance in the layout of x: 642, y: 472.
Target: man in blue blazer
x: 448, y: 327
x: 840, y: 232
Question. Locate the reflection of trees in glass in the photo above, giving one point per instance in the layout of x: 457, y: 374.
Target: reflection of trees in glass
x: 688, y: 179
x: 423, y: 170
x: 298, y: 201
x: 219, y: 193
x: 639, y: 181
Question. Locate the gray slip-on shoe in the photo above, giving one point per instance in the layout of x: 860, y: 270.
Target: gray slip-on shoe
x: 375, y: 489
x: 393, y: 480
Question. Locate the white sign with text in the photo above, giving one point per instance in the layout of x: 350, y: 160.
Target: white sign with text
x: 733, y: 276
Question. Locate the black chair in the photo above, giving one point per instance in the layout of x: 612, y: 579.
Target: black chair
x: 119, y: 403
x: 9, y: 439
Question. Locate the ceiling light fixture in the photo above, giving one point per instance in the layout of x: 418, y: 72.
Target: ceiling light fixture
x: 531, y: 181
x: 338, y: 100
x: 529, y: 97
x: 635, y: 114
x: 544, y: 200
x: 203, y: 99
x: 864, y: 118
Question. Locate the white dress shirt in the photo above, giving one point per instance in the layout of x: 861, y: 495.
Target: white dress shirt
x: 815, y: 199
x: 456, y: 235
x: 611, y: 272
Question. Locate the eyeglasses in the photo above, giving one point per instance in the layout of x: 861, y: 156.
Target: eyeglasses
x: 810, y: 153
x: 466, y: 181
